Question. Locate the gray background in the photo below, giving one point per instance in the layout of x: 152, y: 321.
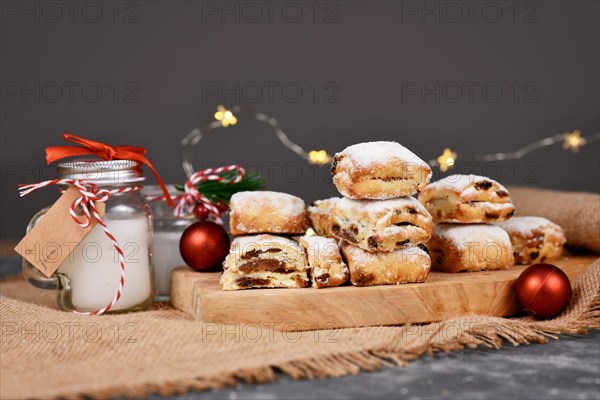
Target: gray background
x: 353, y: 62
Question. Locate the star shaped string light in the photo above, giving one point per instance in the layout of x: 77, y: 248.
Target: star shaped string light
x: 446, y: 160
x: 225, y: 116
x: 573, y: 141
x: 320, y: 157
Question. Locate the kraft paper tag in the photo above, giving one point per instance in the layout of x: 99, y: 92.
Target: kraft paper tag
x: 55, y: 235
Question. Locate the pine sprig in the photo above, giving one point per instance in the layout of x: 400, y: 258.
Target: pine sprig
x: 221, y: 192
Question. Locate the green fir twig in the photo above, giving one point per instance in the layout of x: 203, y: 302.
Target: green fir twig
x: 221, y: 192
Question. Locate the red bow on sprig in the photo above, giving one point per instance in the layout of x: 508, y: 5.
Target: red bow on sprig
x: 106, y: 152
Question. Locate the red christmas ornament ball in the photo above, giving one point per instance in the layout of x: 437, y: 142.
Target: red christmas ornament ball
x: 204, y: 245
x: 543, y: 290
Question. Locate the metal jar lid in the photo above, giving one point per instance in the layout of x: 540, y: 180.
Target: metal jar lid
x: 104, y: 173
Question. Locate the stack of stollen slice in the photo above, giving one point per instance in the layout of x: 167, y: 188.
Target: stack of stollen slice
x: 263, y: 255
x: 464, y: 208
x: 475, y: 229
x: 381, y: 227
x: 268, y: 253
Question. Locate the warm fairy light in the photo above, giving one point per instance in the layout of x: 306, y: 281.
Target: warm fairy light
x: 446, y: 160
x: 319, y: 157
x: 573, y: 141
x: 225, y: 116
x: 310, y: 232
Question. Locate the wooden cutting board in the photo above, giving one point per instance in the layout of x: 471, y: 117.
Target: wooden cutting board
x: 442, y: 296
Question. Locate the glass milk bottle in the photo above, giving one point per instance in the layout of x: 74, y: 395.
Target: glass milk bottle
x: 167, y: 234
x: 89, y: 277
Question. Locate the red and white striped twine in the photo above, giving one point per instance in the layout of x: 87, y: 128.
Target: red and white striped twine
x: 192, y: 197
x: 90, y: 194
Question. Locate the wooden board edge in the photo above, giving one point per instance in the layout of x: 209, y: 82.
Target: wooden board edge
x: 200, y: 288
x: 183, y: 291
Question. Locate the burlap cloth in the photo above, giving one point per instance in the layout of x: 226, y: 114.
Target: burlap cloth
x: 47, y: 353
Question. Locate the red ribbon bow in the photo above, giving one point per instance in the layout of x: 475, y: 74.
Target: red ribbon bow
x: 106, y: 152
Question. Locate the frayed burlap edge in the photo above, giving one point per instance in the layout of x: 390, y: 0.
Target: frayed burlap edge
x: 487, y: 332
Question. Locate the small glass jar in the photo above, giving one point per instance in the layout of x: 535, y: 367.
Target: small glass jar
x: 89, y: 277
x: 167, y: 234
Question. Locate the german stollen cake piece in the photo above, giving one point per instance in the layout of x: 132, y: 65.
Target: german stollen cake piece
x: 267, y: 212
x: 406, y: 265
x: 534, y: 239
x: 470, y: 247
x: 381, y: 225
x: 467, y: 199
x: 325, y: 264
x: 264, y: 261
x: 379, y: 170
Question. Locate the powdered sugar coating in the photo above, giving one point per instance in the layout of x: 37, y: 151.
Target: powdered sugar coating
x: 463, y: 235
x: 377, y: 207
x: 285, y: 202
x: 524, y: 226
x: 379, y: 170
x: 368, y: 154
x: 462, y: 184
x: 267, y: 212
